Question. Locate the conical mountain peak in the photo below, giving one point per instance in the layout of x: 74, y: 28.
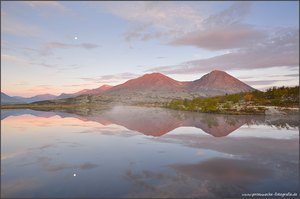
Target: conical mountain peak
x: 149, y: 81
x: 219, y: 81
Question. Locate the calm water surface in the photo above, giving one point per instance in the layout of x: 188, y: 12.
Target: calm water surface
x: 146, y: 152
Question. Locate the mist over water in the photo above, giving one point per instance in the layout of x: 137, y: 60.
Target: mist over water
x: 146, y: 152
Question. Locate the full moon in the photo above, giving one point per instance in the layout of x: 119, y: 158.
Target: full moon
x: 75, y: 38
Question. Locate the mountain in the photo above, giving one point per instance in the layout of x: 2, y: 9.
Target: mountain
x: 36, y: 98
x: 156, y: 87
x: 218, y: 83
x: 153, y: 81
x: 6, y: 99
x: 149, y: 87
x: 99, y: 90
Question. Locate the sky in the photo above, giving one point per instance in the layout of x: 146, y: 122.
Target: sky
x: 63, y: 47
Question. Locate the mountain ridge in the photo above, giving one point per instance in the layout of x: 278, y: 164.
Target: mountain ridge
x: 6, y: 99
x: 157, y: 88
x: 156, y: 84
x: 35, y: 98
x: 85, y: 92
x: 152, y: 87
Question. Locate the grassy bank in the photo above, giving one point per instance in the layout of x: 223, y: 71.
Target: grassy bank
x: 256, y: 102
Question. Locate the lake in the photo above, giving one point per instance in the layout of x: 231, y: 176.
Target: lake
x: 139, y: 152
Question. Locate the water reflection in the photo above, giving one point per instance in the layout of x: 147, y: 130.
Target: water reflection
x: 182, y: 155
x: 214, y: 178
x: 46, y: 164
x: 157, y: 121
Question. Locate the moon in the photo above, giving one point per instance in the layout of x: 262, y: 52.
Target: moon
x: 75, y: 38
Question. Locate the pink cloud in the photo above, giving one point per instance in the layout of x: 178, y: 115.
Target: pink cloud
x: 225, y: 37
x: 281, y: 48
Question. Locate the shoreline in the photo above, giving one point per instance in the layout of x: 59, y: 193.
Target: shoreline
x: 262, y: 110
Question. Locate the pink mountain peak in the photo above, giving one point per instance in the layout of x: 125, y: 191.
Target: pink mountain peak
x: 152, y: 80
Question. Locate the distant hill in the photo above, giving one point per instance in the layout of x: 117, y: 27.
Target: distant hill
x: 6, y: 99
x: 36, y: 98
x: 99, y: 90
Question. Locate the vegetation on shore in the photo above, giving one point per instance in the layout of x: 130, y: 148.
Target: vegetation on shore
x: 242, y: 103
x: 255, y: 102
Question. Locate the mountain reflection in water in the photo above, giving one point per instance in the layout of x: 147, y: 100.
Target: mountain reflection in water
x: 158, y: 121
x: 146, y: 152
